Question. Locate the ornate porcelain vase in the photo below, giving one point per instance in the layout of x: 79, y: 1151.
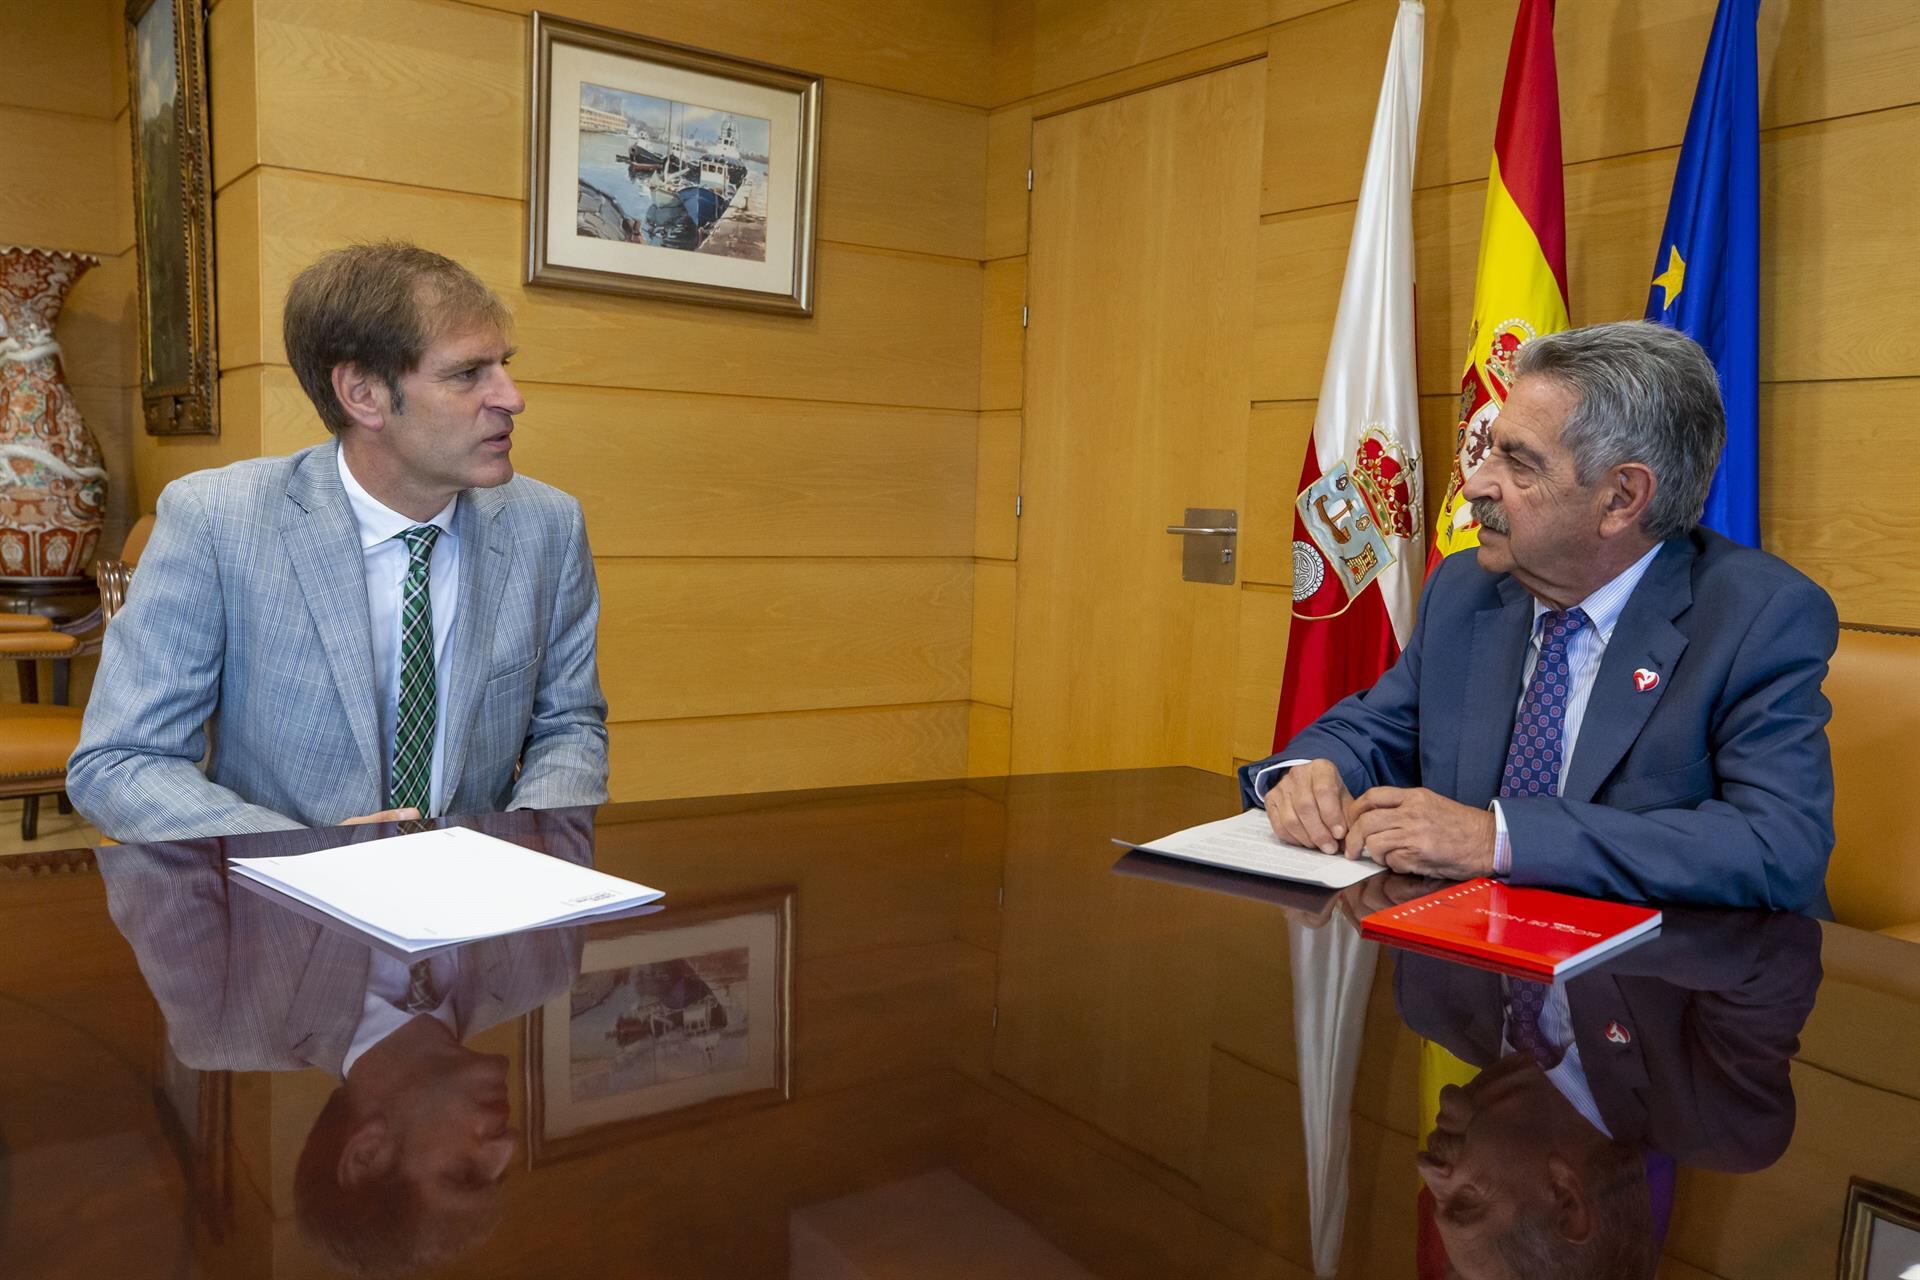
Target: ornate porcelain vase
x: 53, y: 490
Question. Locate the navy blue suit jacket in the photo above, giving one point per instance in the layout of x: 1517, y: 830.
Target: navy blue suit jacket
x: 1715, y: 786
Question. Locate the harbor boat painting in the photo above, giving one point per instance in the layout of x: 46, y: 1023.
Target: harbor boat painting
x: 672, y: 174
x: 667, y: 172
x: 682, y: 1015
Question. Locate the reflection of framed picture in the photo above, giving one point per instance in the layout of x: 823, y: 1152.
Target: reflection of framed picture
x: 173, y: 215
x: 194, y: 1107
x: 1880, y: 1239
x: 675, y: 1017
x: 661, y: 170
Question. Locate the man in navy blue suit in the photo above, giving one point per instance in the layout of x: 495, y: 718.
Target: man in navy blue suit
x: 1605, y: 697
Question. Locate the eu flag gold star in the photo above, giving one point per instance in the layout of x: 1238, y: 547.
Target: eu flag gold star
x: 1674, y: 278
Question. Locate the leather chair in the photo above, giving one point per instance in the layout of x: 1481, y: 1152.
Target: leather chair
x: 36, y: 738
x: 1874, y: 685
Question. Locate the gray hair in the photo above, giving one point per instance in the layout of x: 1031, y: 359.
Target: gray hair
x: 1647, y: 394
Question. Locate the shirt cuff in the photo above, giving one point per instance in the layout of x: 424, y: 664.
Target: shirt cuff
x: 1263, y: 781
x: 1502, y: 847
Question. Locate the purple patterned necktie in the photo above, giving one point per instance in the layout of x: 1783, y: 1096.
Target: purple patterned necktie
x: 1534, y: 755
x: 1526, y: 999
x: 1533, y: 769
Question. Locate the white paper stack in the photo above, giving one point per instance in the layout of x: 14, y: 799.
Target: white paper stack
x: 1247, y: 843
x: 435, y: 889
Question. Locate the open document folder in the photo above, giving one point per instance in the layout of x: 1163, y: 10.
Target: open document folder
x: 434, y: 889
x: 1246, y: 843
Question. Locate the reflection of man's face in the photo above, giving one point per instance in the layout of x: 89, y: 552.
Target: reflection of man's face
x: 454, y: 1143
x: 1486, y: 1160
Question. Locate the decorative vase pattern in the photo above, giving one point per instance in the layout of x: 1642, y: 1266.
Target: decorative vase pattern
x: 53, y: 488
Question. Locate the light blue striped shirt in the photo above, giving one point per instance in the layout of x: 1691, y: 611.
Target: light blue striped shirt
x: 1568, y: 1075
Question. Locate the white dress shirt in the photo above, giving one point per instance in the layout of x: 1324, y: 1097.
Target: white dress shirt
x: 385, y: 561
x: 383, y: 1009
x: 1585, y: 649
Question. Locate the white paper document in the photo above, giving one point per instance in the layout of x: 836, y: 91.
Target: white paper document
x: 1246, y: 842
x: 427, y: 891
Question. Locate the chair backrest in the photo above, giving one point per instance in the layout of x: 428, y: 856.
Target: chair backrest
x: 113, y: 577
x: 137, y: 540
x: 1874, y: 685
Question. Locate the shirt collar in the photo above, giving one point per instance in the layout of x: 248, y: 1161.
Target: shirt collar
x: 1604, y: 606
x: 378, y: 522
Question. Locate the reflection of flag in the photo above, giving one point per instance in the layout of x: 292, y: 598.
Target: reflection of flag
x: 1332, y: 978
x: 1707, y: 271
x: 1520, y: 289
x: 1356, y: 527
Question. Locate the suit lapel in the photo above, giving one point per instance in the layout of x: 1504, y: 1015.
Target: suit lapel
x: 326, y: 1008
x: 323, y: 543
x: 1492, y: 694
x: 1645, y: 636
x: 484, y: 562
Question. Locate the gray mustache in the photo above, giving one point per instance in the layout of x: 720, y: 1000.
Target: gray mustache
x: 1490, y: 515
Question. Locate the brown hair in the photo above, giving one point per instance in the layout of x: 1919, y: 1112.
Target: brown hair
x: 377, y: 307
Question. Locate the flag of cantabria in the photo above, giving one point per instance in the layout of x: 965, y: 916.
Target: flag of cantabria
x: 1706, y: 279
x: 1520, y: 289
x: 1357, y: 549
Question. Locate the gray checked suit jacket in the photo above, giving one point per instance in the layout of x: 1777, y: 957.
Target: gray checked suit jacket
x: 249, y: 613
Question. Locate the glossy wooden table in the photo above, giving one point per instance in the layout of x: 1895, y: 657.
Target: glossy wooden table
x: 1006, y: 1060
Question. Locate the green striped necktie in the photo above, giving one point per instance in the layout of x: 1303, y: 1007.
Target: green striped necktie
x: 411, y: 781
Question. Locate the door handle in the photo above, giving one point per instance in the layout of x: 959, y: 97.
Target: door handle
x: 1208, y: 554
x: 1229, y: 531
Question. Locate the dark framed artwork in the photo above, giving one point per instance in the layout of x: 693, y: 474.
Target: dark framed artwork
x: 173, y: 215
x: 1880, y: 1237
x: 669, y: 172
x: 674, y: 1018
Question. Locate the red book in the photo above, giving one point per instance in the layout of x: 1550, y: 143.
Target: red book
x: 1534, y: 933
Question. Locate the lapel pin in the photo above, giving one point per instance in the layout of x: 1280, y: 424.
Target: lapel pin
x: 1618, y: 1034
x: 1645, y: 680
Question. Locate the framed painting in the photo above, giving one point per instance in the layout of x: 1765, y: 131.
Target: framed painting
x: 173, y: 215
x: 668, y: 172
x: 673, y: 1019
x: 1880, y: 1237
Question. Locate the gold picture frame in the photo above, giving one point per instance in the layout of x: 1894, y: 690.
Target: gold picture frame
x: 1869, y: 1204
x: 173, y: 215
x: 642, y: 984
x: 662, y: 171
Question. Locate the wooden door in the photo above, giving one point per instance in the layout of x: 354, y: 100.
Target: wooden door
x: 1141, y: 264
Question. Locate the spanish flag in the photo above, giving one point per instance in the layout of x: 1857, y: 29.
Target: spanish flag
x: 1520, y: 288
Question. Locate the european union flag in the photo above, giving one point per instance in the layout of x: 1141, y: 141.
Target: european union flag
x: 1706, y: 279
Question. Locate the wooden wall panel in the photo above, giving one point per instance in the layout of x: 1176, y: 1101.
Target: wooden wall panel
x: 160, y: 460
x: 233, y: 89
x: 1837, y: 471
x: 1266, y: 613
x: 996, y: 529
x: 1009, y: 148
x: 692, y: 637
x: 1299, y: 260
x: 236, y: 276
x: 1318, y: 116
x: 99, y: 326
x: 1076, y: 40
x: 1277, y: 436
x: 737, y: 754
x: 901, y: 172
x: 1003, y: 339
x: 941, y: 51
x: 989, y: 741
x: 889, y: 328
x: 993, y: 613
x: 60, y: 57
x: 60, y: 180
x: 1839, y: 221
x: 336, y: 81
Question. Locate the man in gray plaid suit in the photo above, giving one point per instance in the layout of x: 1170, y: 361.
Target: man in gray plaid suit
x: 388, y: 625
